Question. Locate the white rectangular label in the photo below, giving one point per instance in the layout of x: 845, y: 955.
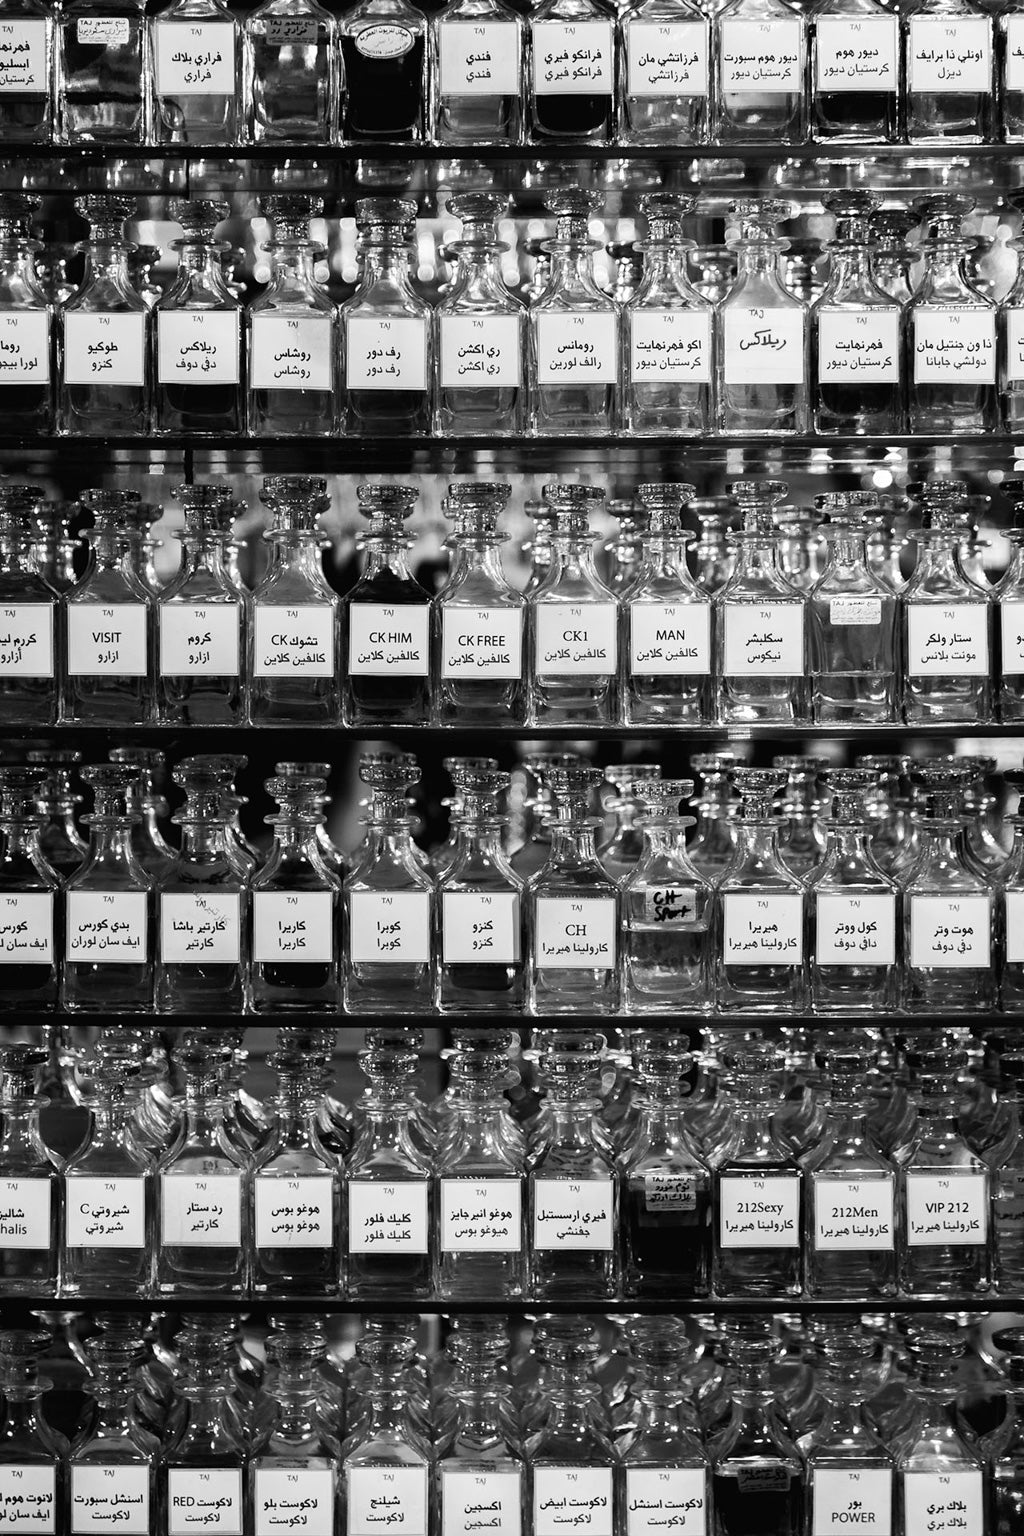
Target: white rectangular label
x: 24, y: 346
x: 204, y: 1499
x: 294, y: 1213
x: 386, y: 353
x: 669, y: 639
x: 200, y: 929
x: 393, y: 641
x: 666, y: 58
x: 954, y: 345
x: 195, y: 58
x: 572, y: 58
x: 950, y: 931
x: 669, y: 346
x: 1011, y: 621
x: 481, y: 1216
x: 1014, y: 324
x: 199, y: 641
x: 201, y: 1211
x: 577, y: 348
x: 1014, y: 76
x: 478, y: 58
x: 26, y: 928
x: 761, y: 58
x: 660, y: 1498
x: 294, y: 642
x: 107, y: 927
x: 107, y: 642
x: 577, y: 933
x: 391, y: 1496
x: 24, y: 56
x: 950, y: 55
x: 105, y: 1213
x: 480, y: 926
x: 292, y: 354
x: 675, y: 904
x: 855, y: 610
x: 859, y: 346
x: 759, y: 1213
x: 28, y: 1499
x: 389, y: 927
x: 299, y: 1498
x: 482, y: 642
x: 387, y: 1216
x: 851, y: 1500
x: 463, y: 1493
x: 110, y: 1498
x: 764, y: 346
x: 24, y: 1217
x: 293, y: 925
x: 576, y: 1217
x: 104, y: 349
x: 26, y: 640
x: 576, y: 640
x: 480, y: 352
x: 579, y: 1497
x: 943, y: 1504
x: 856, y: 53
x: 947, y: 640
x: 855, y: 930
x: 947, y: 1210
x: 764, y: 639
x: 853, y: 1214
x: 109, y: 31
x: 197, y: 346
x: 764, y: 929
x: 1014, y: 916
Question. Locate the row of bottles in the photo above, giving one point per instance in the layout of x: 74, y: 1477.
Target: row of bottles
x: 744, y: 1183
x: 869, y: 356
x: 747, y: 1427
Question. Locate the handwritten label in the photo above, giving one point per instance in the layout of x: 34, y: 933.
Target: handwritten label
x: 856, y: 53
x: 105, y: 1213
x: 481, y: 1216
x: 289, y: 31
x: 666, y: 58
x: 666, y: 1498
x: 24, y: 346
x: 480, y: 926
x: 763, y: 346
x: 669, y: 346
x: 293, y: 925
x: 204, y: 1498
x: 576, y: 639
x: 947, y: 1210
x: 24, y: 57
x: 28, y: 1499
x: 1011, y: 622
x: 200, y: 928
x: 395, y: 1497
x: 292, y: 353
x: 577, y: 933
x: 480, y: 353
x: 108, y: 927
x: 853, y: 1214
x: 578, y: 1497
x: 761, y: 58
x: 104, y: 349
x: 855, y: 610
x: 390, y: 1216
x: 201, y: 1211
x: 950, y: 931
x: 947, y: 639
x: 297, y: 1498
x: 759, y: 1212
x: 25, y: 1210
x: 107, y: 31
x: 675, y: 905
x: 851, y: 1500
x: 294, y: 641
x: 574, y: 1216
x: 107, y: 641
x: 669, y: 639
x: 572, y: 58
x: 954, y: 344
x: 670, y: 1191
x: 855, y: 929
x: 26, y: 928
x: 577, y: 348
x: 478, y: 58
x: 195, y: 58
x: 389, y: 927
x: 395, y: 641
x: 26, y: 640
x: 1014, y: 915
x: 478, y: 1500
x: 482, y: 642
x: 197, y: 346
x: 859, y: 346
x: 1014, y: 63
x: 110, y: 1498
x: 950, y: 55
x: 385, y: 354
x: 199, y: 640
x: 294, y: 1212
x: 943, y: 1503
x: 760, y: 929
x: 764, y: 639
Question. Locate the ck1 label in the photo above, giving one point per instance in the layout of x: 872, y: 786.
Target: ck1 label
x: 204, y: 1499
x: 764, y: 58
x: 947, y: 639
x: 107, y: 641
x: 759, y: 1213
x: 25, y: 346
x: 577, y: 933
x: 858, y: 1500
x: 200, y: 929
x: 387, y: 1217
x: 954, y: 345
x: 947, y: 1210
x: 762, y: 929
x: 385, y: 641
x: 293, y: 925
x: 393, y: 1497
x: 480, y: 927
x: 28, y: 1499
x: 480, y: 353
x: 574, y: 1217
x: 110, y: 1498
x: 465, y: 1496
x: 576, y: 639
x: 291, y: 353
x: 25, y: 1208
x: 194, y: 58
x: 666, y: 58
x: 481, y: 643
x: 670, y: 346
x: 107, y: 927
x: 26, y: 640
x: 660, y: 1499
x: 481, y: 1216
x: 669, y: 639
x: 389, y: 927
x: 478, y: 58
x: 294, y: 642
x: 294, y: 1213
x: 105, y: 1213
x: 853, y: 1215
x: 26, y: 928
x: 299, y: 1498
x: 573, y: 59
x: 576, y: 1497
x: 199, y: 641
x: 943, y: 1504
x: 200, y: 1210
x: 854, y: 930
x: 856, y: 53
x: 950, y: 932
x: 764, y: 639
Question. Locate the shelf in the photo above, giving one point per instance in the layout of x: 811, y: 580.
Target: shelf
x: 515, y: 1306
x: 689, y: 1022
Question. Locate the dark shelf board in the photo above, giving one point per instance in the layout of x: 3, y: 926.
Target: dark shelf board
x: 515, y: 1306
x: 680, y: 1021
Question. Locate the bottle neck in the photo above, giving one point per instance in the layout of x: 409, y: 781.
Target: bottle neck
x: 111, y: 840
x: 474, y: 557
x: 573, y: 841
x: 756, y: 557
x: 388, y: 264
x: 382, y: 554
x: 19, y: 1128
x: 296, y: 551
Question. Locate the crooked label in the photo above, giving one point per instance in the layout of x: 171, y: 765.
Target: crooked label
x: 26, y: 640
x: 110, y: 1498
x: 26, y: 928
x: 482, y: 642
x: 947, y: 641
x: 395, y: 1497
x: 759, y: 1213
x: 866, y: 611
x: 389, y: 927
x: 1014, y: 926
x: 761, y: 58
x: 675, y: 905
x: 1011, y: 623
x: 1014, y: 76
x: 577, y: 348
x: 24, y: 57
x: 670, y: 1192
x: 292, y: 642
x: 947, y: 1210
x: 289, y: 32
x: 28, y: 1499
x: 577, y: 1497
x: 666, y: 1498
x: 25, y: 1208
x: 855, y: 348
x: 294, y: 1213
x: 107, y: 642
x: 292, y: 354
x: 855, y: 930
x: 195, y: 58
x: 106, y: 31
x: 105, y: 1213
x: 204, y: 1499
x: 855, y: 53
x: 950, y: 55
x: 480, y: 926
x: 950, y: 932
x: 293, y: 925
x: 669, y: 639
x: 199, y: 641
x: 853, y: 1214
x: 764, y: 640
x: 481, y: 1216
x: 765, y: 929
x: 107, y: 926
x: 478, y: 58
x: 670, y: 346
x: 201, y: 1211
x: 466, y: 1496
x: 764, y: 346
x: 386, y: 354
x: 25, y: 347
x: 200, y: 929
x: 943, y: 1504
x: 197, y: 346
x: 104, y: 349
x: 954, y: 345
x: 574, y: 1216
x: 395, y: 641
x: 294, y: 1499
x: 666, y: 58
x: 480, y: 353
x: 577, y: 933
x: 845, y: 1501
x: 572, y: 58
x: 383, y: 1217
x: 576, y: 640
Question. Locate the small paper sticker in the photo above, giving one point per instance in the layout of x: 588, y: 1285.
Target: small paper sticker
x: 26, y: 928
x: 201, y: 1210
x: 389, y: 1217
x: 195, y: 58
x: 947, y: 1210
x: 28, y: 1499
x: 759, y: 1213
x: 573, y: 1217
x: 478, y: 58
x: 200, y: 929
x: 480, y: 927
x: 947, y: 640
x: 764, y: 1479
x: 24, y: 57
x: 854, y: 930
x: 25, y: 1211
x: 669, y: 639
x: 294, y: 642
x: 107, y: 927
x: 292, y: 354
x: 110, y: 1498
x: 283, y: 1494
x: 391, y: 641
x: 389, y: 927
x: 764, y: 640
x: 577, y: 933
x: 950, y: 55
x: 950, y: 932
x: 855, y: 610
x: 764, y: 346
x: 954, y: 345
x: 943, y: 1504
x: 293, y: 925
x: 481, y: 642
x: 107, y: 642
x: 761, y: 58
x: 577, y: 348
x: 576, y: 640
x: 104, y: 349
x: 674, y: 905
x: 290, y: 32
x: 666, y: 58
x: 294, y: 1213
x: 856, y: 53
x: 481, y: 1216
x: 480, y: 353
x: 859, y: 346
x: 105, y: 1213
x: 463, y: 1494
x: 386, y: 353
x: 573, y: 58
x: 669, y: 346
x: 670, y: 1192
x: 204, y: 1499
x: 853, y: 1215
x: 384, y: 41
x: 107, y: 31
x: 1011, y: 620
x: 1014, y: 926
x: 197, y: 346
x: 25, y: 345
x: 660, y: 1497
x: 199, y: 641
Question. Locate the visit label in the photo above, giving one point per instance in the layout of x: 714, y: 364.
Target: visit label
x: 860, y: 347
x: 762, y: 930
x: 294, y: 1213
x: 666, y: 1498
x: 482, y: 642
x: 28, y: 1499
x: 481, y: 1216
x: 104, y: 349
x: 843, y: 1501
x: 389, y: 640
x: 110, y: 1498
x: 466, y: 1496
x: 764, y: 346
x: 853, y: 1215
x: 195, y: 58
x: 105, y: 1213
x: 26, y: 928
x: 954, y: 344
x: 943, y: 1504
x: 385, y: 354
x: 855, y: 930
x: 389, y: 927
x: 576, y: 640
x: 199, y: 641
x: 479, y: 58
x: 107, y: 642
x: 950, y: 56
x: 24, y: 347
x: 200, y: 929
x: 480, y: 926
x: 24, y: 57
x: 856, y: 53
x: 383, y: 1217
x: 197, y: 346
x: 761, y: 58
x: 293, y: 925
x: 572, y: 59
x: 201, y: 1211
x: 759, y: 1213
x: 670, y: 346
x: 294, y: 641
x: 292, y: 354
x: 579, y: 1497
x: 951, y: 932
x: 577, y: 348
x: 764, y: 640
x: 107, y: 927
x: 577, y: 933
x: 666, y: 58
x: 949, y: 1209
x: 669, y: 639
x: 574, y: 1216
x: 947, y: 640
x: 480, y: 353
x: 25, y: 1208
x: 204, y: 1499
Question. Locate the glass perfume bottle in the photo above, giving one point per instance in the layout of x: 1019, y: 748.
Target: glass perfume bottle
x: 573, y: 328
x: 146, y: 806
x: 664, y: 73
x: 939, y: 1473
x: 479, y: 1455
x: 1007, y: 1177
x: 59, y: 839
x: 294, y: 1474
x: 667, y: 910
x: 293, y: 670
x: 1002, y: 1446
x: 383, y: 50
x: 948, y: 76
x: 949, y: 330
x: 27, y: 107
x: 574, y: 965
x: 530, y: 841
x: 384, y: 1447
x: 30, y: 1218
x: 622, y: 801
x: 105, y: 329
x: 200, y: 619
x: 853, y: 613
x: 111, y: 1467
x: 386, y: 326
x: 386, y: 617
x: 195, y: 46
x: 891, y: 257
x: 198, y: 365
x: 27, y: 369
x: 202, y: 1471
x: 664, y: 1465
x: 108, y: 622
x: 572, y: 1188
x: 761, y: 353
x: 572, y: 620
x: 667, y: 342
x: 760, y: 47
x: 757, y: 1472
x: 855, y: 72
x: 30, y: 607
x: 30, y: 939
x: 849, y: 1468
x: 292, y: 74
x: 855, y: 326
x: 711, y: 848
x: 33, y: 1456
x: 481, y: 326
x: 474, y: 99
x: 103, y: 72
x: 572, y: 71
x: 1009, y: 44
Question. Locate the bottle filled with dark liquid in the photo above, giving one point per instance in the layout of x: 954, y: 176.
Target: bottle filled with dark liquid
x: 386, y: 618
x: 383, y: 46
x: 572, y: 71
